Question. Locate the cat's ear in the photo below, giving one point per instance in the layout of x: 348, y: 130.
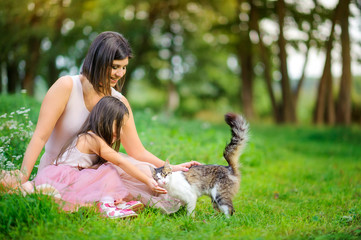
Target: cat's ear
x: 167, y: 166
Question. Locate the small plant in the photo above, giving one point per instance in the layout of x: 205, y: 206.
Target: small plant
x: 16, y: 130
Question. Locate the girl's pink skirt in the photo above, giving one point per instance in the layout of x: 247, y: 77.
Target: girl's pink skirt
x: 84, y: 187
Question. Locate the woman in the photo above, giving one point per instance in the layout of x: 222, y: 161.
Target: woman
x: 68, y: 103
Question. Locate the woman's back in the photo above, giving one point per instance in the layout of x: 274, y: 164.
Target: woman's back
x: 68, y: 124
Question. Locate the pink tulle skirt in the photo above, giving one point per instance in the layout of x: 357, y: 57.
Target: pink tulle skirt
x: 84, y: 187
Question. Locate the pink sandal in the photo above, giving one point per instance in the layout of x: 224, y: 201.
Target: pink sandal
x: 121, y: 213
x: 113, y: 212
x: 105, y: 207
x: 132, y: 205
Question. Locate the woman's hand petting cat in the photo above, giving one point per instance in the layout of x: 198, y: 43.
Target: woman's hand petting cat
x: 152, y: 184
x: 184, y: 166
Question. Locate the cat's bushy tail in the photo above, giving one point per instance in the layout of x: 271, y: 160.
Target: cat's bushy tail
x: 239, y: 129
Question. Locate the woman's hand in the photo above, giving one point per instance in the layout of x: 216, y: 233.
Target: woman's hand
x: 152, y: 184
x: 184, y: 166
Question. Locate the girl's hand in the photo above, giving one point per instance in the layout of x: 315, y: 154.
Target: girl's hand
x: 152, y: 184
x: 184, y: 166
x: 11, y: 179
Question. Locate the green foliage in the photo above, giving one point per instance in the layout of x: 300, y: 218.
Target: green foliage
x: 16, y: 129
x: 18, y: 114
x: 297, y: 183
x: 11, y: 103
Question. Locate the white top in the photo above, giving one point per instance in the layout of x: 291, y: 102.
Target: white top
x: 73, y: 157
x: 69, y: 123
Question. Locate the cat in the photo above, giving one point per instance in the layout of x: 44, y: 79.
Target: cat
x: 221, y: 183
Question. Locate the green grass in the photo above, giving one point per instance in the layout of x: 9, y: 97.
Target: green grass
x: 298, y: 183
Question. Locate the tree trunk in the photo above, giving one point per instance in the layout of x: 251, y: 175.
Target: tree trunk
x: 31, y: 65
x: 325, y: 110
x: 247, y: 83
x: 307, y: 54
x: 288, y: 108
x: 246, y: 62
x: 53, y: 72
x: 330, y: 116
x: 344, y: 98
x: 12, y: 75
x: 297, y: 91
x: 267, y: 67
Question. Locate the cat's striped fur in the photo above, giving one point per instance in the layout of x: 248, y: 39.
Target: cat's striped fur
x: 221, y: 183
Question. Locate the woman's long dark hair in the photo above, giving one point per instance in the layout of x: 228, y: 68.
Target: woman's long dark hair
x: 100, y: 121
x: 106, y: 47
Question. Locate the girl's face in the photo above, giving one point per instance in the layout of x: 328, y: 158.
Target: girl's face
x: 119, y: 68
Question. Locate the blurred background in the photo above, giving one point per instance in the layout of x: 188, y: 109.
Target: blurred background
x: 280, y: 61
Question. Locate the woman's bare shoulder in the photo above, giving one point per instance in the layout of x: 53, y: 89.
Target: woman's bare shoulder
x: 64, y: 82
x: 124, y: 100
x: 60, y: 90
x: 121, y: 97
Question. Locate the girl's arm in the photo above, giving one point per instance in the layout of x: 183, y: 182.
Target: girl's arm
x: 134, y: 147
x: 99, y: 147
x: 51, y: 109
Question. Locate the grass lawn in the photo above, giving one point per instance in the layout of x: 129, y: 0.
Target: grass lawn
x: 298, y: 183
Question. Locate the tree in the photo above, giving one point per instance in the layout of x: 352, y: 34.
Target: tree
x: 245, y: 57
x: 325, y: 106
x: 27, y: 28
x: 288, y: 107
x: 344, y: 97
x: 267, y: 68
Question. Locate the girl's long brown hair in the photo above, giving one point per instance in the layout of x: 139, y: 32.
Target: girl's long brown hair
x: 100, y: 122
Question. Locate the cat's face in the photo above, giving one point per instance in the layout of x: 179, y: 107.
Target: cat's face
x: 161, y: 175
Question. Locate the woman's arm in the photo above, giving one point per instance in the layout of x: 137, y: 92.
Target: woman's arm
x: 51, y: 109
x: 131, y: 142
x: 98, y: 146
x: 134, y: 147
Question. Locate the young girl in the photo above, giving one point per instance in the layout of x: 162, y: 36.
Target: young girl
x: 82, y: 173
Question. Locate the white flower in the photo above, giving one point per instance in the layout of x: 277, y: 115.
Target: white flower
x: 22, y: 110
x: 9, y: 165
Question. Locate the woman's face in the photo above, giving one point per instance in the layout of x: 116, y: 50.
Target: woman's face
x: 119, y: 68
